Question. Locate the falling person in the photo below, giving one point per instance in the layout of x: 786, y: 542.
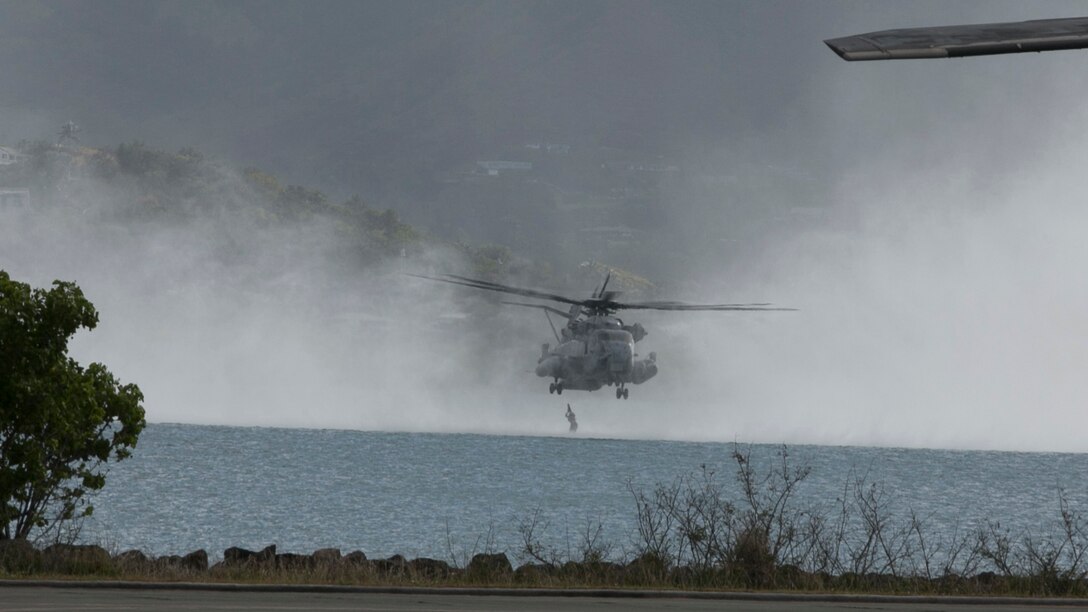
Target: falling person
x: 571, y: 418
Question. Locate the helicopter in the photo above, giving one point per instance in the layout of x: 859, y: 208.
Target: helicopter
x: 595, y: 348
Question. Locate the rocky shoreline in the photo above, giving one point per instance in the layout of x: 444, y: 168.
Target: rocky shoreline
x: 20, y: 559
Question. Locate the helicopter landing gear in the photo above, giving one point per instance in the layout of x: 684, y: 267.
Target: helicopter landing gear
x: 622, y: 392
x: 556, y: 387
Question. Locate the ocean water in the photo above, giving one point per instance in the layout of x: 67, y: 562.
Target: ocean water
x: 449, y: 495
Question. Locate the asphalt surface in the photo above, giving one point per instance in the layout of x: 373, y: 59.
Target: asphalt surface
x: 38, y: 597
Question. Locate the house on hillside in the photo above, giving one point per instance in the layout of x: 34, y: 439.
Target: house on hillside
x: 14, y: 198
x: 640, y: 167
x: 495, y: 168
x: 9, y: 156
x: 548, y: 147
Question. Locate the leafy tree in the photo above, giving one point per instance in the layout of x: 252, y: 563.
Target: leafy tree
x: 265, y: 184
x: 60, y: 423
x: 300, y: 202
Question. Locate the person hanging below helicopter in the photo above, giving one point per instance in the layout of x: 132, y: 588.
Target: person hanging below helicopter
x: 571, y: 418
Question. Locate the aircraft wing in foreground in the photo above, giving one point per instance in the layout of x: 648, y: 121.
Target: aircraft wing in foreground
x: 965, y: 40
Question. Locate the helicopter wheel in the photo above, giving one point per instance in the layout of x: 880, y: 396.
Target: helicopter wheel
x: 626, y: 392
x: 551, y: 388
x: 619, y: 393
x: 559, y: 388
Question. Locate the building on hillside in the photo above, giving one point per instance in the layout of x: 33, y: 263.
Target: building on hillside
x: 495, y: 168
x: 14, y: 198
x: 612, y: 235
x: 640, y: 167
x: 9, y: 156
x: 548, y: 147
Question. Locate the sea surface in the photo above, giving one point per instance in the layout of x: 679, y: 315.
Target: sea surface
x: 447, y: 496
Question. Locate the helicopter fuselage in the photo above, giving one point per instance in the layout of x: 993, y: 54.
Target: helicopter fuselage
x: 595, y: 352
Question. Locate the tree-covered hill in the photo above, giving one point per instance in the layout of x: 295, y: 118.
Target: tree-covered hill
x: 133, y: 184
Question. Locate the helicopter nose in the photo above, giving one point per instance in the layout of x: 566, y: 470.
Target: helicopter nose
x: 622, y: 358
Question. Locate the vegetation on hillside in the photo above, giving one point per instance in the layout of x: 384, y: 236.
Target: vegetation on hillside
x: 144, y: 184
x: 148, y: 184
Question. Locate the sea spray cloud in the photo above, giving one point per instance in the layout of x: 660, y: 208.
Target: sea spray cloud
x: 223, y: 318
x: 941, y: 292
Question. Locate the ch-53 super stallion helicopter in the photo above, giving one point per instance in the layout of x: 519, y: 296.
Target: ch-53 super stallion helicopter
x: 595, y: 348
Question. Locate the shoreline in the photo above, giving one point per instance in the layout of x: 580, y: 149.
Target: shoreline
x: 327, y: 570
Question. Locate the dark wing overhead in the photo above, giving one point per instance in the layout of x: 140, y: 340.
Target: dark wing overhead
x: 602, y: 301
x: 965, y: 40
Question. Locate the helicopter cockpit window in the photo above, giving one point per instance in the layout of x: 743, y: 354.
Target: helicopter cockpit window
x: 612, y: 336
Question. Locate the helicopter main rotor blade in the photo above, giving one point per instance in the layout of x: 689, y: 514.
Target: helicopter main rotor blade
x: 602, y: 301
x: 544, y: 307
x: 600, y: 292
x: 690, y: 307
x: 489, y: 286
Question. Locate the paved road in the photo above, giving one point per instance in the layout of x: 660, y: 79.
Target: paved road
x: 41, y: 599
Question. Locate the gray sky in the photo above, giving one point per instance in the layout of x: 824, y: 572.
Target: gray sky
x: 935, y: 257
x: 316, y: 90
